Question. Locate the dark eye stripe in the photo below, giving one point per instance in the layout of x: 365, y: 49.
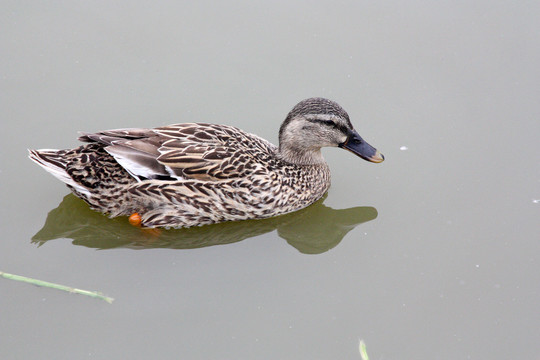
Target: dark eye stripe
x: 331, y: 123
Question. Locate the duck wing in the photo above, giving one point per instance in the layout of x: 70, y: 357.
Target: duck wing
x: 199, y: 151
x: 211, y: 152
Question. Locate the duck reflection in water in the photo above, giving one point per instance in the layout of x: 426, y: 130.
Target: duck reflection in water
x: 313, y: 230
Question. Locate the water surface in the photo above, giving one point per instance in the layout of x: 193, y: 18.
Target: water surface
x: 432, y: 254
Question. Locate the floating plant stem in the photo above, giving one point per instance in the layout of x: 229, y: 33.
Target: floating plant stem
x: 363, y: 351
x: 37, y: 282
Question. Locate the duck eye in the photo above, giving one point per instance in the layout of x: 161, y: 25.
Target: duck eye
x: 329, y: 122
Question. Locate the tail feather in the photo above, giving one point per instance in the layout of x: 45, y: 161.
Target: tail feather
x: 54, y: 163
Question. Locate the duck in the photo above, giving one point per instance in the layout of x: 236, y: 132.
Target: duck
x: 193, y: 174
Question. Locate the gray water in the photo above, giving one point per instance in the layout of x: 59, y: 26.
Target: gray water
x: 433, y: 254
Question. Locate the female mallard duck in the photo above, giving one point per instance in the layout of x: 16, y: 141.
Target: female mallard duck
x: 195, y: 174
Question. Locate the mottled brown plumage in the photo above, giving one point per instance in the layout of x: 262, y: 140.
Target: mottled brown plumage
x: 195, y: 174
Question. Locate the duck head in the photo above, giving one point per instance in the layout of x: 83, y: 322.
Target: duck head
x: 315, y: 123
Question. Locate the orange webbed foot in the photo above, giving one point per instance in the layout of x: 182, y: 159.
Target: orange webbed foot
x: 135, y: 219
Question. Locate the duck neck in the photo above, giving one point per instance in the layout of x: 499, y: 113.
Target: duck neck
x: 301, y: 157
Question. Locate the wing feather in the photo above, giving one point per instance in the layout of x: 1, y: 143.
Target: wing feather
x: 210, y: 152
x: 184, y: 151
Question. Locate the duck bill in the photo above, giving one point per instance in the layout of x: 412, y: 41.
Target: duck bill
x: 359, y: 147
